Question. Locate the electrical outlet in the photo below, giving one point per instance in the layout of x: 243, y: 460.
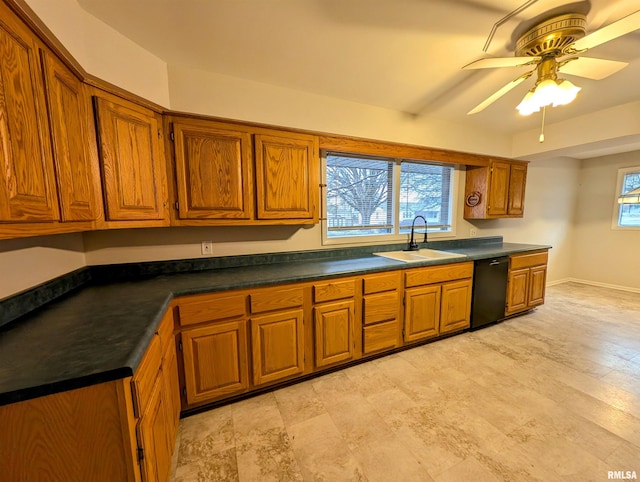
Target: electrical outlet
x: 473, y: 232
x: 207, y: 247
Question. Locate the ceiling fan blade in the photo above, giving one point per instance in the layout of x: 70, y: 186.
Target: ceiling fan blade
x: 496, y: 62
x: 491, y: 99
x: 592, y: 68
x: 612, y: 31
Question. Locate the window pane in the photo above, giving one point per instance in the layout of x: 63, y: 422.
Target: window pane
x: 425, y: 190
x: 359, y: 196
x: 630, y: 213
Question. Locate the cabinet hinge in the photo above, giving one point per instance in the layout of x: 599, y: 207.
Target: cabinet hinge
x: 140, y: 454
x: 180, y: 345
x: 176, y: 205
x: 171, y: 136
x: 184, y: 391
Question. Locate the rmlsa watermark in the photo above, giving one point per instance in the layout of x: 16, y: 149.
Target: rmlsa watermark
x: 622, y: 475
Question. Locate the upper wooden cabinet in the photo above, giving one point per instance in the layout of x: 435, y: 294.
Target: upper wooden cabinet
x: 228, y: 174
x: 214, y: 173
x: 27, y: 185
x: 131, y: 161
x: 287, y: 176
x: 496, y: 191
x: 69, y: 115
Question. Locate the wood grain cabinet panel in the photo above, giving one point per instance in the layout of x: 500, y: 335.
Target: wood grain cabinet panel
x: 526, y: 282
x: 69, y: 106
x: 171, y: 392
x: 380, y: 307
x: 495, y: 191
x: 277, y: 342
x: 334, y: 331
x: 214, y: 171
x: 152, y: 431
x: 537, y: 284
x: 133, y: 169
x: 381, y: 336
x: 456, y: 306
x: 27, y: 184
x: 215, y: 361
x: 422, y: 313
x: 287, y: 177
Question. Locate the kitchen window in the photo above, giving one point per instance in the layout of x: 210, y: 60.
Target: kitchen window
x: 376, y: 199
x: 627, y: 216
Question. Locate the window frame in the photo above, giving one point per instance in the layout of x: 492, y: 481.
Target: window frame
x: 615, y: 220
x: 391, y: 238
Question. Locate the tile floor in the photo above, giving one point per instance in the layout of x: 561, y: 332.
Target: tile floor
x: 552, y: 395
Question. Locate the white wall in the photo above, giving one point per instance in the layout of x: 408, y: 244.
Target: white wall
x: 30, y: 261
x: 601, y: 254
x: 104, y: 52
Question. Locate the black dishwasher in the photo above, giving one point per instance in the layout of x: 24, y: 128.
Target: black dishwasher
x: 489, y: 291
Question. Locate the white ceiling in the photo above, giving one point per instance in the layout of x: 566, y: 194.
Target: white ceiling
x: 404, y: 55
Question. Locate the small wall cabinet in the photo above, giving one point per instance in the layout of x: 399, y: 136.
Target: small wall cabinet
x: 527, y: 281
x: 132, y: 162
x: 495, y: 191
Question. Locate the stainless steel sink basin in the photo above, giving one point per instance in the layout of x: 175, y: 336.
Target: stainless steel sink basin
x: 420, y: 255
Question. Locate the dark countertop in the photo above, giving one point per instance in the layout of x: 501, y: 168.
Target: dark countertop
x: 99, y: 332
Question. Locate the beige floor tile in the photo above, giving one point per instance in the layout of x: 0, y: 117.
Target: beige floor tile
x: 467, y: 470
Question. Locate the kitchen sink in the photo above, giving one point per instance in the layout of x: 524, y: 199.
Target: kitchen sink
x: 419, y: 255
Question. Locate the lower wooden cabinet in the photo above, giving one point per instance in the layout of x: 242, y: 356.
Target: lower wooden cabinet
x: 421, y: 313
x: 215, y: 361
x: 152, y: 431
x: 334, y: 325
x: 526, y: 282
x: 437, y: 300
x: 456, y: 306
x: 381, y: 312
x: 277, y: 346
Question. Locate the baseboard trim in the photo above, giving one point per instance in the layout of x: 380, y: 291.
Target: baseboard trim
x: 594, y: 283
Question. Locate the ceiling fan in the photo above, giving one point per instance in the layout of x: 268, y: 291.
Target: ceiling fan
x: 554, y: 44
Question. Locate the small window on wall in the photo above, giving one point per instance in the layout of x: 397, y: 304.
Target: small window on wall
x: 626, y: 213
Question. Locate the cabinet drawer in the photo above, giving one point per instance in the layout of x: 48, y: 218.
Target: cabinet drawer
x: 529, y: 260
x: 197, y: 309
x: 275, y: 299
x: 165, y: 330
x: 381, y: 282
x: 437, y: 274
x: 380, y: 307
x: 334, y: 290
x: 381, y: 336
x: 145, y: 376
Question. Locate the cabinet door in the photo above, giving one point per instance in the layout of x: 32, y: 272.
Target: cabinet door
x: 537, y: 283
x: 517, y: 182
x: 498, y: 188
x: 517, y: 290
x: 172, y: 393
x: 456, y: 306
x: 27, y: 185
x: 422, y: 313
x: 287, y: 177
x: 277, y: 343
x: 334, y: 327
x: 69, y: 105
x: 155, y: 462
x: 215, y: 361
x: 214, y: 172
x: 131, y: 162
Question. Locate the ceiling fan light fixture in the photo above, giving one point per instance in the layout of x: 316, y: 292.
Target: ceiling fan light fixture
x: 527, y: 106
x: 548, y: 92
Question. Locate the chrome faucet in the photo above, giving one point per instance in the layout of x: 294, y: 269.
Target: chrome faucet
x: 413, y: 246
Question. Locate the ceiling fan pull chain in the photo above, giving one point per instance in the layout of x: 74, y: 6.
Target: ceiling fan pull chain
x: 544, y: 112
